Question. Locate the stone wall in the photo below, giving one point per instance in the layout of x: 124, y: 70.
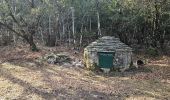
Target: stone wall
x: 123, y: 53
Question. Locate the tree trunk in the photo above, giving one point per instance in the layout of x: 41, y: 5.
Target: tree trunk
x: 73, y: 30
x: 90, y: 24
x: 98, y: 24
x: 156, y: 27
x: 42, y: 36
x: 49, y: 26
x: 98, y: 19
x: 30, y: 41
x: 81, y: 37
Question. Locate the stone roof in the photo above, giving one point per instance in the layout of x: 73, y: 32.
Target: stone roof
x: 109, y: 44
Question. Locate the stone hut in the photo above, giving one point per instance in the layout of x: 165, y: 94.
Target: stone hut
x: 107, y: 52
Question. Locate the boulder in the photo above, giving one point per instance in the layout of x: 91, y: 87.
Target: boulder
x: 57, y: 58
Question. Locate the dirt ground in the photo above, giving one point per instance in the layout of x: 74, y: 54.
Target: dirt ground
x: 22, y: 76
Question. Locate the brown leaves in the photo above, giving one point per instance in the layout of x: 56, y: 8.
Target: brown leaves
x: 148, y: 76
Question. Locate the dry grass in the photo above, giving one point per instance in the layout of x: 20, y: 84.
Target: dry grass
x: 23, y: 78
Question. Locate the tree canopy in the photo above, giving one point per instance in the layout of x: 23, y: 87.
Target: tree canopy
x: 143, y: 22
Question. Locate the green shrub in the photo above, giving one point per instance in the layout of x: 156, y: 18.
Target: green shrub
x: 152, y: 52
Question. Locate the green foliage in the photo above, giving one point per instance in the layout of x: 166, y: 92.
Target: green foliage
x: 143, y: 21
x: 34, y: 49
x: 152, y: 52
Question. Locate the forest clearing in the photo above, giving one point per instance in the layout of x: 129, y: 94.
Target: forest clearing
x: 24, y: 78
x: 84, y: 49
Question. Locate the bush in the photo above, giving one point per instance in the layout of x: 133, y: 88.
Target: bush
x: 152, y: 52
x: 6, y: 40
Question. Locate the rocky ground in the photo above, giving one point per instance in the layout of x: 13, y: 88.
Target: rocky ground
x: 24, y: 75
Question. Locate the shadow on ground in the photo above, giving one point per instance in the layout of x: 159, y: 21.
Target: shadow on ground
x: 56, y: 82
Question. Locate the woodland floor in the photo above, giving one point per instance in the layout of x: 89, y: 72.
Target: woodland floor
x: 22, y: 77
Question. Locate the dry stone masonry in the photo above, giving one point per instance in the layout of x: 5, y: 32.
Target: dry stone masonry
x: 122, y: 54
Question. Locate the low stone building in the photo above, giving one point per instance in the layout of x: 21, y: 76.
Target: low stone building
x: 107, y: 52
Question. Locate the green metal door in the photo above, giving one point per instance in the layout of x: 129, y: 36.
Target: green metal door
x: 106, y: 59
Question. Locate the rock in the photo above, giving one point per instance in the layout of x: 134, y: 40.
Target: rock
x: 105, y: 70
x: 57, y: 58
x: 78, y: 63
x: 51, y: 60
x: 67, y: 65
x: 123, y: 69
